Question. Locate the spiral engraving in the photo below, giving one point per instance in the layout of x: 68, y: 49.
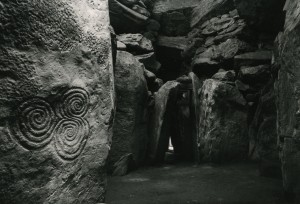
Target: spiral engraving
x: 74, y: 103
x: 34, y: 123
x: 39, y: 121
x: 70, y: 137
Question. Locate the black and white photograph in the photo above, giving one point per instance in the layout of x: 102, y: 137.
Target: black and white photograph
x: 149, y: 101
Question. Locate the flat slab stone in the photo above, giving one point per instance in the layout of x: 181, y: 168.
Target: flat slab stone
x: 207, y: 9
x: 160, y: 120
x: 179, y: 43
x: 162, y: 6
x: 253, y: 58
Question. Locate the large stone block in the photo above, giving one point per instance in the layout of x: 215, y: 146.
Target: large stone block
x: 195, y: 108
x: 288, y: 106
x: 161, y: 120
x: 207, y: 9
x: 222, y: 122
x: 163, y: 6
x: 56, y: 101
x: 130, y: 127
x: 262, y: 133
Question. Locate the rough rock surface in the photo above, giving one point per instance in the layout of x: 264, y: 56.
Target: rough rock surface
x: 136, y: 43
x: 256, y: 58
x: 223, y: 123
x: 262, y: 133
x: 130, y: 127
x: 159, y: 129
x: 224, y: 75
x: 257, y: 74
x: 56, y: 101
x: 163, y: 6
x: 288, y: 98
x: 207, y: 9
x: 178, y: 43
x: 196, y: 85
x: 149, y: 61
x: 216, y: 56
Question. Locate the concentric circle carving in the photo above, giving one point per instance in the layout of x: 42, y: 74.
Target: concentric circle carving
x: 74, y: 103
x: 39, y: 121
x: 70, y: 137
x: 34, y: 123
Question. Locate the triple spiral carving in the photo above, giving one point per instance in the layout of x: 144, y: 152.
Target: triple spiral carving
x: 39, y: 122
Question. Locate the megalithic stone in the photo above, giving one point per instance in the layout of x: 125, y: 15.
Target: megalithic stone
x: 288, y: 99
x: 56, y: 100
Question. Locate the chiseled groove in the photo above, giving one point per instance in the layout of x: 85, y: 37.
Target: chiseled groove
x: 37, y: 123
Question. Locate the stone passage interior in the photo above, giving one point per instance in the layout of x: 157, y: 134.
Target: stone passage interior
x: 149, y: 101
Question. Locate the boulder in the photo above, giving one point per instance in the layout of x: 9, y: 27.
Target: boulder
x: 130, y: 128
x: 217, y: 25
x: 233, y: 47
x: 223, y: 123
x: 262, y: 15
x: 150, y: 77
x: 184, y: 80
x: 161, y: 121
x: 206, y: 9
x: 238, y: 30
x: 136, y: 43
x: 225, y: 76
x: 218, y: 56
x: 287, y: 56
x: 226, y: 50
x: 121, y: 46
x: 56, y: 101
x: 256, y: 74
x: 150, y: 62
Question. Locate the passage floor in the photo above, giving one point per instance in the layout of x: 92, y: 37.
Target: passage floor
x: 188, y: 183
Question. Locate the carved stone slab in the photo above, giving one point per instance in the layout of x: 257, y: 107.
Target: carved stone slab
x: 56, y: 100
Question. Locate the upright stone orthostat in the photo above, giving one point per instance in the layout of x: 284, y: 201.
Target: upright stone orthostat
x: 56, y: 100
x: 288, y: 106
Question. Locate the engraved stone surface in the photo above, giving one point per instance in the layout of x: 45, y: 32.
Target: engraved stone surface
x: 56, y: 101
